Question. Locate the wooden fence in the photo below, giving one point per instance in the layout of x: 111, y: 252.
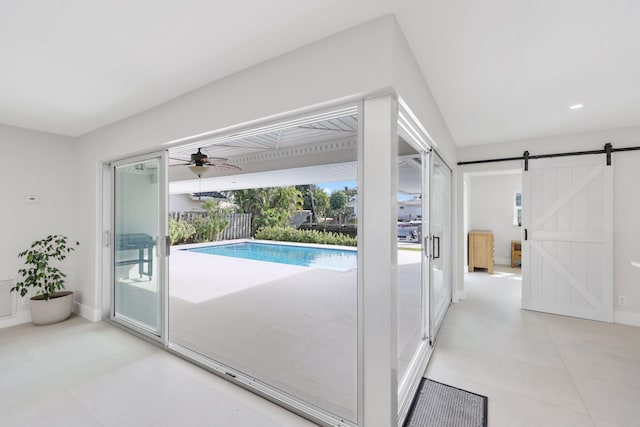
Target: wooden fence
x: 239, y: 224
x: 239, y: 227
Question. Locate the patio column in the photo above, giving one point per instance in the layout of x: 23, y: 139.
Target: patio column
x: 378, y: 264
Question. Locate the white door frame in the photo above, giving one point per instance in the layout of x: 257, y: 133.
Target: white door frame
x: 435, y: 321
x: 162, y: 245
x: 409, y: 382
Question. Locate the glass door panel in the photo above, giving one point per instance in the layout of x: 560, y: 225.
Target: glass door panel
x: 138, y: 231
x: 440, y: 227
x: 411, y: 256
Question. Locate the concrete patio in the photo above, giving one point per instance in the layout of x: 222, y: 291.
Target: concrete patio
x: 292, y: 327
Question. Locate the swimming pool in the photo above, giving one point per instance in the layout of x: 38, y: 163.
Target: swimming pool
x: 323, y: 258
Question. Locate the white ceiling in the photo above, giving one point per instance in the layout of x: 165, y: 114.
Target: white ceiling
x: 503, y: 70
x: 311, y: 150
x: 500, y: 70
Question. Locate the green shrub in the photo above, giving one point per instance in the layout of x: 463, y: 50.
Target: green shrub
x: 290, y: 234
x: 180, y: 231
x: 272, y: 217
x: 208, y: 227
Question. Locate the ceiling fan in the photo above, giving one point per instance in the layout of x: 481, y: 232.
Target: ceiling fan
x: 200, y: 163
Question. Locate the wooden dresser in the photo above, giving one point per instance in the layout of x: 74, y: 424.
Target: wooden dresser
x: 516, y: 253
x: 481, y: 250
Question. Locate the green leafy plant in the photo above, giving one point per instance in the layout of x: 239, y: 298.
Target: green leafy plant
x: 38, y: 272
x: 290, y: 234
x: 314, y: 199
x: 180, y: 231
x: 338, y: 203
x: 268, y: 206
x: 273, y: 217
x: 208, y: 227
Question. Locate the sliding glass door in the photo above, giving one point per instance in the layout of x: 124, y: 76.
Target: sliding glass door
x: 440, y: 254
x: 139, y: 230
x: 412, y: 260
x: 413, y: 164
x: 289, y: 325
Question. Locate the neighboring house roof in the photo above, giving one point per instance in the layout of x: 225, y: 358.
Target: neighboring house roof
x: 209, y: 195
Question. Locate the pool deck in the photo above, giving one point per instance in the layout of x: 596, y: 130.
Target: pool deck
x: 289, y: 326
x: 197, y: 277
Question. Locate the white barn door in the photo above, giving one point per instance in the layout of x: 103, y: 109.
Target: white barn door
x: 567, y: 259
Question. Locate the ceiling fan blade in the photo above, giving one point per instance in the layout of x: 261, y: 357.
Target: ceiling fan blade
x: 217, y: 160
x: 202, y: 159
x: 226, y: 167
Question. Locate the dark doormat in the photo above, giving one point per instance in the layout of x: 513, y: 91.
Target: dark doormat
x: 440, y: 405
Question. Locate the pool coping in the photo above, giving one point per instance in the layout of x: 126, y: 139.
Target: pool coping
x: 268, y: 242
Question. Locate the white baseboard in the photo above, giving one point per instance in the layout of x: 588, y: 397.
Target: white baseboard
x: 22, y: 316
x: 626, y: 318
x: 87, y: 312
x: 460, y: 295
x: 502, y: 261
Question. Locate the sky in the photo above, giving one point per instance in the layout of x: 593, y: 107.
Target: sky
x: 330, y: 187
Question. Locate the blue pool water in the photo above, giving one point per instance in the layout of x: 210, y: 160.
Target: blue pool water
x: 326, y: 259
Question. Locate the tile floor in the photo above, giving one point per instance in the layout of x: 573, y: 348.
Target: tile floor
x: 79, y: 373
x: 537, y: 369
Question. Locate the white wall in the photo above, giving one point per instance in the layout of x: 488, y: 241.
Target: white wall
x: 365, y: 62
x: 626, y: 200
x: 408, y: 79
x: 413, y: 89
x: 491, y: 199
x: 345, y: 66
x: 183, y: 203
x: 357, y: 63
x: 627, y: 233
x: 41, y: 164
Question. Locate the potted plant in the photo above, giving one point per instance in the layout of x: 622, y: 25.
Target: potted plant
x: 50, y: 304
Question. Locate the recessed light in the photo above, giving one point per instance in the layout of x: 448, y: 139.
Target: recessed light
x: 576, y: 106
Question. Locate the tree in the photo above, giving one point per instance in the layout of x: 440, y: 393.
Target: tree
x: 268, y: 206
x: 321, y: 201
x: 287, y: 198
x: 338, y: 203
x: 249, y: 201
x: 212, y: 223
x: 315, y: 200
x: 272, y: 217
x: 352, y: 193
x: 307, y: 196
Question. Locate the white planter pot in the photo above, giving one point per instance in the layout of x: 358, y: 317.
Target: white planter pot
x: 56, y: 309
